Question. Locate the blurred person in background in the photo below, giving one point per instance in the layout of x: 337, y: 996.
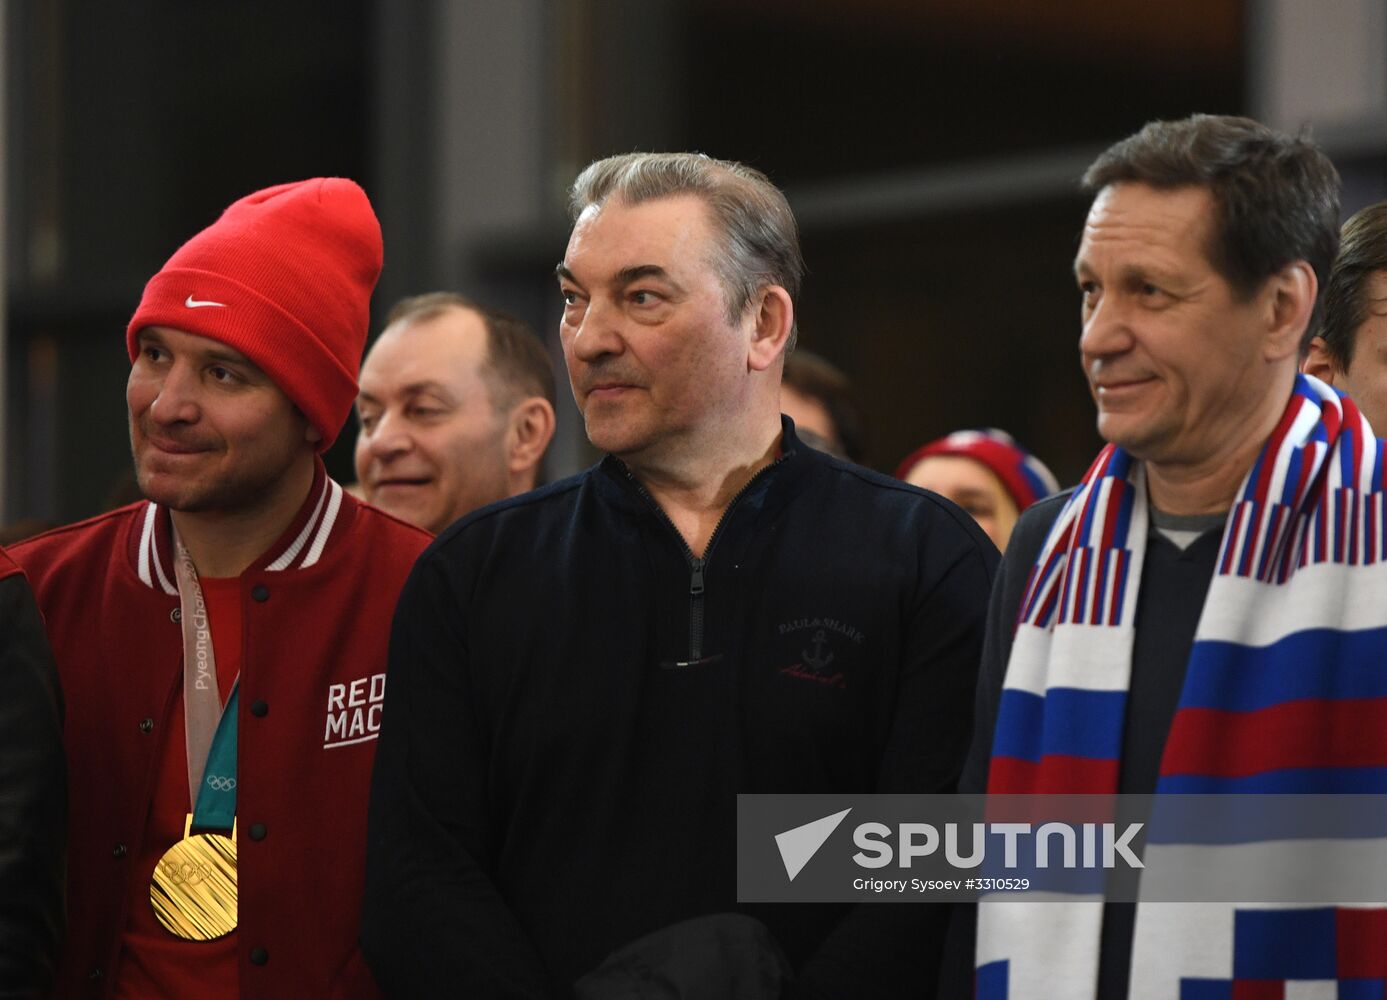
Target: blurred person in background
x: 820, y: 399
x: 1349, y: 351
x: 456, y: 410
x: 33, y: 795
x: 222, y: 644
x: 983, y: 471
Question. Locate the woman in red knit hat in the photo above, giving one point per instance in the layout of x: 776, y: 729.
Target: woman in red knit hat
x: 983, y: 471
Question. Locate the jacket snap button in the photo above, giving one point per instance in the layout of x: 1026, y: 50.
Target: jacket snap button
x: 176, y: 615
x: 146, y: 725
x: 257, y: 831
x: 259, y: 956
x: 260, y: 592
x: 119, y: 851
x: 259, y: 708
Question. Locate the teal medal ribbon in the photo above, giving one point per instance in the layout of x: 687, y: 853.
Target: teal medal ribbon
x: 216, y: 799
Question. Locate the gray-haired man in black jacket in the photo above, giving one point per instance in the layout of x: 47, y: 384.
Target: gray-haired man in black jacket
x: 583, y: 678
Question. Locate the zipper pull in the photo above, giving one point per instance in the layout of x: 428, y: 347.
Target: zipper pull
x: 696, y: 579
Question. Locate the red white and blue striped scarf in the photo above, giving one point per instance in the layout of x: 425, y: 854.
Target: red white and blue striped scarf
x: 1286, y: 690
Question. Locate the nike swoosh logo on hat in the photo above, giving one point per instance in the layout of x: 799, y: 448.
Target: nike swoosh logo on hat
x: 193, y: 303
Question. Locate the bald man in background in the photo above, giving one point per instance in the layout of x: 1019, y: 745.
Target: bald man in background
x: 456, y: 408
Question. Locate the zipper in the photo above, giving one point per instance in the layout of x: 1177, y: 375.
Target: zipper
x: 697, y: 566
x: 695, y: 608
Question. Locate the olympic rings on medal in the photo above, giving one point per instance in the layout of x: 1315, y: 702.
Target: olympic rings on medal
x: 184, y: 872
x: 220, y: 784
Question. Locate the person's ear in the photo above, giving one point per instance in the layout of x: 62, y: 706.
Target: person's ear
x: 1290, y: 303
x: 774, y: 319
x: 1318, y: 362
x: 529, y: 431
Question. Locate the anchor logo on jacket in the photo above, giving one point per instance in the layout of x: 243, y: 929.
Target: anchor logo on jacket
x: 819, y: 658
x: 820, y: 643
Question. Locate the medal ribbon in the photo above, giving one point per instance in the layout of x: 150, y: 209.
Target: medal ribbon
x: 211, y: 729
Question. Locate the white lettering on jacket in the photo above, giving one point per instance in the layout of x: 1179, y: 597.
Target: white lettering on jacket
x: 353, y: 711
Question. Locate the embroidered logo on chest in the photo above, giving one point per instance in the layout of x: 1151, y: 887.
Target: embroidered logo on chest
x: 353, y: 711
x: 820, y: 650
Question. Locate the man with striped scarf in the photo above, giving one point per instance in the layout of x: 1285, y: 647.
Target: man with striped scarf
x: 1205, y: 612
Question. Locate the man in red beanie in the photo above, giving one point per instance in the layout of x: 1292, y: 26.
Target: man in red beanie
x: 222, y: 644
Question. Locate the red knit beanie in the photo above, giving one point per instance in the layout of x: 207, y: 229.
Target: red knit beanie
x: 1021, y: 474
x: 285, y: 277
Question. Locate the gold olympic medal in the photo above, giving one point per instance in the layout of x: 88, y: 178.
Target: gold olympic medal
x: 194, y: 887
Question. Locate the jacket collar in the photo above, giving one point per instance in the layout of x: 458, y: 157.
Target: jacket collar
x: 302, y: 545
x: 775, y: 485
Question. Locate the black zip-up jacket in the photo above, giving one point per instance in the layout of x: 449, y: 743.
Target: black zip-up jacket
x: 575, y: 702
x: 33, y: 795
